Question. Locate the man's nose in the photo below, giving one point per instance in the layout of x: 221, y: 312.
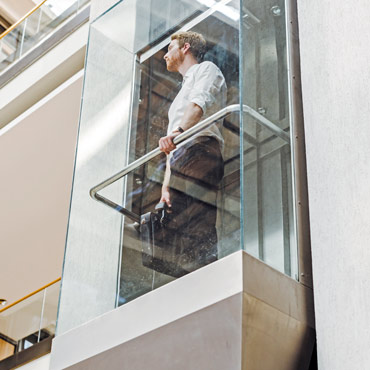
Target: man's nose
x: 165, y: 56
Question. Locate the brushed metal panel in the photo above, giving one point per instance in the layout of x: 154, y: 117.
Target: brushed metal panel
x: 278, y: 290
x: 273, y: 340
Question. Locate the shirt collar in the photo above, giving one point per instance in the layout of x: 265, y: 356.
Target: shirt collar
x: 189, y: 71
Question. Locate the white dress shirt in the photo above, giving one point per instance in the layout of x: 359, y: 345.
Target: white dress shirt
x: 204, y: 85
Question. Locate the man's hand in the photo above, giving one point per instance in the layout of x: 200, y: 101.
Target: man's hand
x: 166, y: 144
x: 166, y: 197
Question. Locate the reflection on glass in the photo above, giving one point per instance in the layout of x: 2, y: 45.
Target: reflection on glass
x: 200, y: 195
x: 35, y: 28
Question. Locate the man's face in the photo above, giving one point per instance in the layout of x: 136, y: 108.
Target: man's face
x: 174, y: 56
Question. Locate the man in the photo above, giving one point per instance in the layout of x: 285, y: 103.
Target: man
x: 195, y: 168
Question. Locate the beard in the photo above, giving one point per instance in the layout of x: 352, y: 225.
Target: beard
x: 171, y: 66
x: 174, y: 63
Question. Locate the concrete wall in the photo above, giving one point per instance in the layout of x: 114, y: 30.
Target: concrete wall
x: 336, y: 82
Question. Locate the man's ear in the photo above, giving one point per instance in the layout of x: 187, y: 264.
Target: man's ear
x: 186, y: 47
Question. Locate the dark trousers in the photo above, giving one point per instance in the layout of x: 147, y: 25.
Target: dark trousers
x: 196, y: 171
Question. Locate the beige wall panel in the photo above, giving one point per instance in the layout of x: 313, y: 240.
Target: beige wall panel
x: 36, y: 165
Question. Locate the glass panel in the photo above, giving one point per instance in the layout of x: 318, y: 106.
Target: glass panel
x: 49, y: 314
x: 37, y: 26
x: 140, y: 274
x: 54, y: 14
x: 33, y: 30
x: 29, y: 321
x: 11, y: 46
x: 46, y: 19
x: 269, y: 229
x: 155, y: 91
x: 127, y: 94
x: 94, y: 232
x: 20, y: 324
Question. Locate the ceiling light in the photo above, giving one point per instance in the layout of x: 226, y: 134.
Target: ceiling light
x: 3, y: 302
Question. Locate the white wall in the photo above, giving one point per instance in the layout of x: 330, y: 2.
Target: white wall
x: 334, y: 41
x: 36, y: 165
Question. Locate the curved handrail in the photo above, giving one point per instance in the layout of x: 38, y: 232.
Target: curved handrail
x: 30, y: 295
x: 19, y: 21
x: 263, y: 121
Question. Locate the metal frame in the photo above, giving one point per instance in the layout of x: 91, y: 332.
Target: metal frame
x: 301, y: 206
x: 261, y: 120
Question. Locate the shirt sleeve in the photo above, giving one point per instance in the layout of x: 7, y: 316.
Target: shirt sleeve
x: 208, y: 84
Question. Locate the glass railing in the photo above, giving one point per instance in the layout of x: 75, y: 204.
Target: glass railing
x: 29, y: 321
x: 232, y: 188
x: 35, y: 27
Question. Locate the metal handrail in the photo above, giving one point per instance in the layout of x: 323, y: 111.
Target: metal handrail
x: 19, y: 21
x: 263, y: 121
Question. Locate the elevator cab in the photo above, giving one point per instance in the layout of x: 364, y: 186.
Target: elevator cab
x: 119, y: 169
